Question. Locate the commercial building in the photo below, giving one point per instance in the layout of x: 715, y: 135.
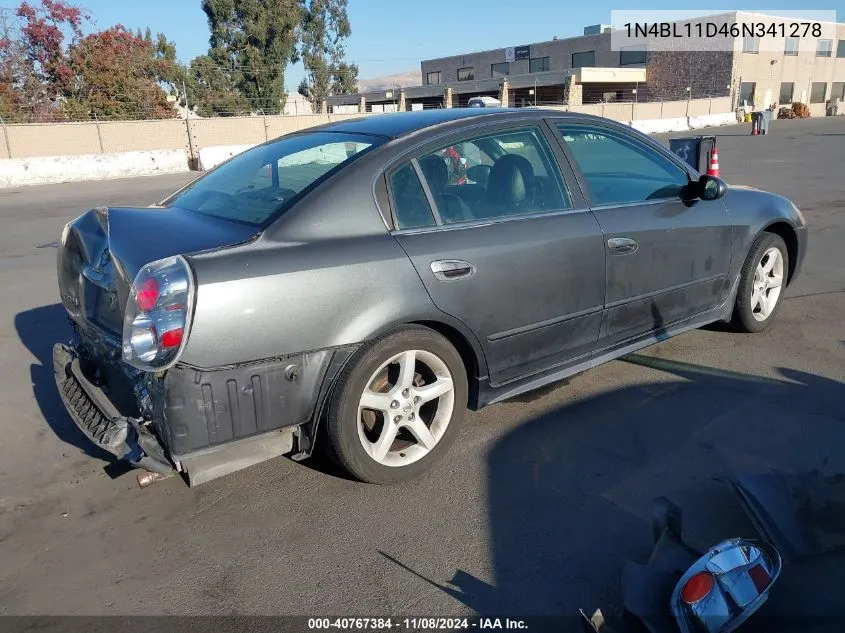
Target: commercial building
x: 587, y: 69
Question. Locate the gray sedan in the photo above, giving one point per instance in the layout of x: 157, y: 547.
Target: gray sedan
x: 357, y: 286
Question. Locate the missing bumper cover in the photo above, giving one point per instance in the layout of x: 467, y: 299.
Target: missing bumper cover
x: 95, y: 415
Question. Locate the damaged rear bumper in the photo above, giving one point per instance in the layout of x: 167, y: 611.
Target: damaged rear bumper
x: 96, y: 416
x: 202, y: 423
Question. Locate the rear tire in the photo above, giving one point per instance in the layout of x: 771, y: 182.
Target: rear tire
x: 397, y: 406
x: 762, y: 283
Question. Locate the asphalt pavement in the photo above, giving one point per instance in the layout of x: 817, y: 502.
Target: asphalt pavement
x: 532, y: 512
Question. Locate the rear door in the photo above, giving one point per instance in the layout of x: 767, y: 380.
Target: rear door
x: 502, y: 245
x: 667, y: 258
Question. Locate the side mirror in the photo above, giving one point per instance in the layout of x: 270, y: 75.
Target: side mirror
x: 711, y: 188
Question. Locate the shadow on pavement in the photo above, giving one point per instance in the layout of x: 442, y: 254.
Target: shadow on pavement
x: 570, y: 492
x: 39, y: 329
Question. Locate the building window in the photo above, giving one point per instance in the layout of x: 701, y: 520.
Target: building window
x: 787, y: 89
x: 538, y: 64
x: 587, y: 59
x: 466, y: 74
x: 840, y: 48
x: 837, y: 91
x: 818, y: 90
x: 750, y: 44
x: 746, y: 92
x: 824, y: 48
x: 629, y: 55
x: 791, y: 47
x: 500, y: 70
x: 433, y: 78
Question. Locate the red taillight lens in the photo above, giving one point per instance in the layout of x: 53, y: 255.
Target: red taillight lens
x: 697, y: 587
x: 157, y: 321
x: 172, y: 338
x: 760, y: 577
x: 147, y: 294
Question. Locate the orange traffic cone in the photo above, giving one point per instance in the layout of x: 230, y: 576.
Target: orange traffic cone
x: 713, y: 167
x: 754, y: 125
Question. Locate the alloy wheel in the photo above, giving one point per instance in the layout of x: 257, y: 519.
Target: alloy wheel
x: 405, y: 408
x: 767, y: 285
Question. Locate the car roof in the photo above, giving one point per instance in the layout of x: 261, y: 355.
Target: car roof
x: 397, y: 124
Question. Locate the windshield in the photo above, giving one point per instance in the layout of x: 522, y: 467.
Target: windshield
x: 258, y: 185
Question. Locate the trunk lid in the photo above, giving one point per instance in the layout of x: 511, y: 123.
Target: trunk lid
x: 103, y: 249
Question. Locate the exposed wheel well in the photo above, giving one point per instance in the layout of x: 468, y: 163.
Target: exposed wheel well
x: 788, y: 235
x: 466, y: 351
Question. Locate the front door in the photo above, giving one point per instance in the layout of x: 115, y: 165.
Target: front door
x: 667, y: 258
x: 501, y: 245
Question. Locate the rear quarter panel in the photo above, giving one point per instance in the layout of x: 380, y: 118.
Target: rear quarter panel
x: 278, y: 299
x: 326, y: 274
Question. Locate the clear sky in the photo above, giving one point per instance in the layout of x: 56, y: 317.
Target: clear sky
x: 390, y: 36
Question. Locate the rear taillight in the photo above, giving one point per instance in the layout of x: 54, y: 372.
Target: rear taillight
x: 697, y: 587
x: 157, y: 320
x: 147, y: 294
x: 760, y: 577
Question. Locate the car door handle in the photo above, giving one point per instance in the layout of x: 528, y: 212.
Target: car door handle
x: 451, y: 269
x: 622, y: 245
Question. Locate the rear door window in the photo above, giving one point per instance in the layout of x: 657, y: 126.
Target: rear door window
x: 504, y: 173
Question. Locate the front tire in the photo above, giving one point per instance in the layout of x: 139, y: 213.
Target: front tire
x: 397, y: 406
x: 762, y: 282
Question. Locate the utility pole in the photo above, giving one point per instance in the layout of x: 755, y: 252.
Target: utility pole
x: 188, y: 123
x: 99, y: 132
x: 6, y: 136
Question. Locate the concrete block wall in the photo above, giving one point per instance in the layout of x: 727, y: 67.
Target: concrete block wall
x: 139, y: 136
x: 52, y: 139
x: 69, y: 152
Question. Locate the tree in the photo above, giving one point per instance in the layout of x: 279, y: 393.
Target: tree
x: 169, y: 72
x: 43, y: 39
x: 115, y: 74
x: 212, y: 90
x: 252, y: 41
x: 344, y: 79
x: 325, y: 25
x: 33, y: 64
x: 49, y: 71
x: 304, y: 89
x: 12, y: 63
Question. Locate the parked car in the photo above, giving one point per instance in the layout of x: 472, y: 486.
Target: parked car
x: 484, y: 102
x: 340, y: 286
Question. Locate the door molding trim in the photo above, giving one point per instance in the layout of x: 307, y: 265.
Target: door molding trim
x: 656, y: 293
x: 541, y: 324
x: 506, y: 390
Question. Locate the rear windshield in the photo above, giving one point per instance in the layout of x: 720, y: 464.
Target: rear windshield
x: 258, y: 185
